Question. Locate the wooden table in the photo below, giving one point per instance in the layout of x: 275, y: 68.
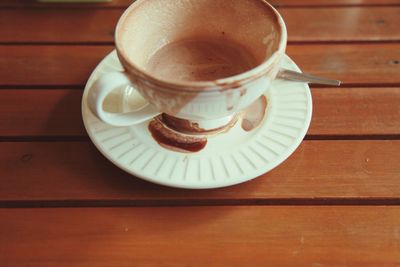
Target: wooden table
x: 334, y: 202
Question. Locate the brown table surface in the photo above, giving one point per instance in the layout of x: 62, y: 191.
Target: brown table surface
x: 334, y: 202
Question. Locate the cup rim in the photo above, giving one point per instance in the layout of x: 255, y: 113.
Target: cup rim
x: 231, y: 82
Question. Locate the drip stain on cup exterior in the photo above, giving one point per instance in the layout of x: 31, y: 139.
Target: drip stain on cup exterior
x: 181, y: 125
x: 183, y: 136
x: 173, y: 140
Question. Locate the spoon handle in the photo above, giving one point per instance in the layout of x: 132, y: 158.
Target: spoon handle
x: 308, y: 78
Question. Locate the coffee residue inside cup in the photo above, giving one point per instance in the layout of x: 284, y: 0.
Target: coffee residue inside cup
x: 200, y: 59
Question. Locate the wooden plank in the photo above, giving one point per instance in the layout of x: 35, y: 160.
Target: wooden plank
x: 46, y: 65
x: 310, y: 3
x: 97, y: 25
x: 49, y: 65
x: 110, y: 4
x: 192, y: 236
x: 41, y: 113
x: 76, y: 171
x: 342, y: 111
x: 356, y: 111
x: 126, y: 3
x: 377, y: 64
x: 58, y: 25
x: 342, y: 24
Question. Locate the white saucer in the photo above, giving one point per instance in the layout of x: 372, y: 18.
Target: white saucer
x: 228, y: 159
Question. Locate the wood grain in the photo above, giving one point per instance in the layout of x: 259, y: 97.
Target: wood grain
x: 311, y: 3
x: 111, y: 4
x: 58, y: 25
x: 355, y: 111
x: 194, y: 236
x: 49, y: 65
x: 279, y: 3
x: 87, y: 25
x: 341, y: 111
x: 41, y: 113
x: 342, y: 24
x: 75, y: 171
x: 368, y: 64
x: 46, y: 65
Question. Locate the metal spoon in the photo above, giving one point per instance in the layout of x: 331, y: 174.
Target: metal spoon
x: 303, y: 77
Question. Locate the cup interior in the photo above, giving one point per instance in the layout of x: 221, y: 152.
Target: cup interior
x: 148, y: 25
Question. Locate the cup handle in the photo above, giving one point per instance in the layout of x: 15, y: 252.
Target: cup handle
x: 98, y: 93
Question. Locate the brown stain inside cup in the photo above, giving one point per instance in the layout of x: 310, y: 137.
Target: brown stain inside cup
x: 175, y: 141
x: 196, y: 59
x: 253, y: 115
x: 200, y: 59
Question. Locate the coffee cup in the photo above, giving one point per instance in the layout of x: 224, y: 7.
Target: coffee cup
x: 200, y: 61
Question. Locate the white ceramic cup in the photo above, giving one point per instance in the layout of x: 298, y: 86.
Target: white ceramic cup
x: 147, y: 25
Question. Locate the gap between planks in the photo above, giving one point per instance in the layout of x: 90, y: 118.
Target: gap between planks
x: 200, y: 202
